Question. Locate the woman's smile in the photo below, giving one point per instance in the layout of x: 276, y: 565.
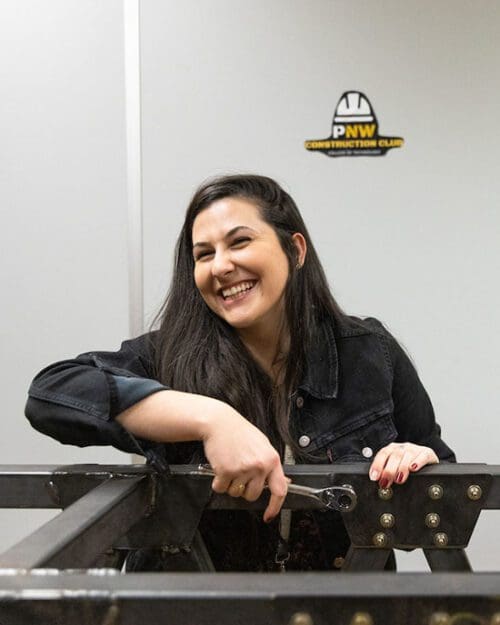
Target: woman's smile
x: 238, y: 292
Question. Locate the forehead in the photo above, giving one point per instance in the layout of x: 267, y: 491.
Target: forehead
x: 225, y: 214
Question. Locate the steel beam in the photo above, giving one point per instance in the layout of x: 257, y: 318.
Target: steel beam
x: 270, y: 599
x: 77, y: 536
x: 28, y: 486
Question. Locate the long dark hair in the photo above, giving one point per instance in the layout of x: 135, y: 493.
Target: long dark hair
x: 198, y: 352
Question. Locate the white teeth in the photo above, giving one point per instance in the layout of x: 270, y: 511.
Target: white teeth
x: 244, y: 286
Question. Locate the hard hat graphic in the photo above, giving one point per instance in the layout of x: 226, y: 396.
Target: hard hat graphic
x: 354, y: 130
x: 353, y: 107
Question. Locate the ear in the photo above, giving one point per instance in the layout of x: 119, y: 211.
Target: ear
x: 301, y: 246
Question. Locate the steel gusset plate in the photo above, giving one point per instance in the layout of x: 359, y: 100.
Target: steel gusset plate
x: 453, y: 512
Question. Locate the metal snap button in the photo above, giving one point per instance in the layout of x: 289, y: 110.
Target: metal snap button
x: 299, y: 401
x: 367, y: 452
x: 304, y: 440
x: 338, y: 562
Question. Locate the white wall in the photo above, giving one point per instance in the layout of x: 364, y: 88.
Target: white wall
x: 62, y: 212
x: 412, y: 237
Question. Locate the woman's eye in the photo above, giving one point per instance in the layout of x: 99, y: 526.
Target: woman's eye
x: 240, y: 240
x: 202, y: 255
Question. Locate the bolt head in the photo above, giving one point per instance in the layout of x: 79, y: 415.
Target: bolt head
x: 474, y: 492
x: 361, y: 618
x: 435, y: 491
x: 387, y: 520
x: 440, y: 618
x: 432, y: 519
x: 380, y: 540
x: 385, y: 493
x: 441, y: 539
x: 301, y: 618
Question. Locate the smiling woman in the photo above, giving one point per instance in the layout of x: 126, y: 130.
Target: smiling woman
x: 253, y: 364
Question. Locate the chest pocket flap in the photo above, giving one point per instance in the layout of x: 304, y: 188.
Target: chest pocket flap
x: 363, y: 440
x: 358, y: 439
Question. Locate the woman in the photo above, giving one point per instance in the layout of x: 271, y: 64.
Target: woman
x: 263, y: 365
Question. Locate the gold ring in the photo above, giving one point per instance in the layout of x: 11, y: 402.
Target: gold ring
x: 241, y: 488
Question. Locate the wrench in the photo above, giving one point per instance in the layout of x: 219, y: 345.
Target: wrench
x: 340, y: 498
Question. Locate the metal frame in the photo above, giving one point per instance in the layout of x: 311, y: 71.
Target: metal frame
x: 108, y: 510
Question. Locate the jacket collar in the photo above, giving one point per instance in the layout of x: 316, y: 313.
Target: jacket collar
x: 322, y: 366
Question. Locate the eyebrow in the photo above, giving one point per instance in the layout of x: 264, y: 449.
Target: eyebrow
x: 226, y: 236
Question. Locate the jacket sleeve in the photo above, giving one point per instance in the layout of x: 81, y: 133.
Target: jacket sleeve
x: 413, y: 412
x: 75, y: 401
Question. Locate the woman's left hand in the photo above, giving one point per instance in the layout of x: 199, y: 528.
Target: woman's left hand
x: 396, y: 461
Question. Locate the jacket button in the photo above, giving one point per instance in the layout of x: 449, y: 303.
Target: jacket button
x: 367, y: 452
x: 299, y: 401
x: 338, y: 562
x: 304, y: 441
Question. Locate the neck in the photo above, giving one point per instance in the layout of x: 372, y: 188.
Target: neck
x: 268, y: 347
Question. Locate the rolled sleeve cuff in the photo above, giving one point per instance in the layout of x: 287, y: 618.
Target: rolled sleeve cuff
x: 129, y: 391
x: 443, y: 452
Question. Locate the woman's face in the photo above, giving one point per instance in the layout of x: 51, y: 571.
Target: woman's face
x: 240, y: 268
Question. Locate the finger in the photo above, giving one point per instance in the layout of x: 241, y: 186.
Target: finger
x: 278, y: 487
x: 378, y: 463
x: 237, y: 487
x: 254, y: 489
x: 404, y: 466
x: 221, y: 483
x: 426, y: 456
x: 390, y: 471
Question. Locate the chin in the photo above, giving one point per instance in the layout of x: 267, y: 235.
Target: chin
x: 239, y: 324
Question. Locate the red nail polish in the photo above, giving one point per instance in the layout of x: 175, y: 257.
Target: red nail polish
x: 399, y: 478
x: 384, y: 483
x: 413, y: 466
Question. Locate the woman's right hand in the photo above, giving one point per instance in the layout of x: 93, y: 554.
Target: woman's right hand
x: 243, y: 459
x: 240, y: 454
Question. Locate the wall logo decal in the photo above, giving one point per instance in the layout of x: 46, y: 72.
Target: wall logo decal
x: 354, y: 130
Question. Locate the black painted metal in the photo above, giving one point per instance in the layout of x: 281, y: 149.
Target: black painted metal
x: 447, y: 560
x: 178, y: 499
x: 110, y: 509
x: 90, y: 526
x: 179, y: 504
x: 271, y: 599
x: 359, y: 559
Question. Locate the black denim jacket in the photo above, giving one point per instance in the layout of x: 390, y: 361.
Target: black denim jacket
x: 360, y: 392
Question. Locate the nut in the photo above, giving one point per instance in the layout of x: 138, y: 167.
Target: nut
x: 441, y: 539
x: 361, y: 618
x: 301, y: 618
x: 432, y: 520
x: 474, y: 492
x: 385, y: 493
x: 380, y: 540
x: 440, y: 618
x: 435, y: 491
x: 387, y: 520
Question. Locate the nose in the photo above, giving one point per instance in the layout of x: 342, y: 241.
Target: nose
x: 222, y: 263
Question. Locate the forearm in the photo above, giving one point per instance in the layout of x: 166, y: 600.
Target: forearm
x: 173, y: 416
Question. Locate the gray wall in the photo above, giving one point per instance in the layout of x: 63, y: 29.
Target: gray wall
x: 412, y: 238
